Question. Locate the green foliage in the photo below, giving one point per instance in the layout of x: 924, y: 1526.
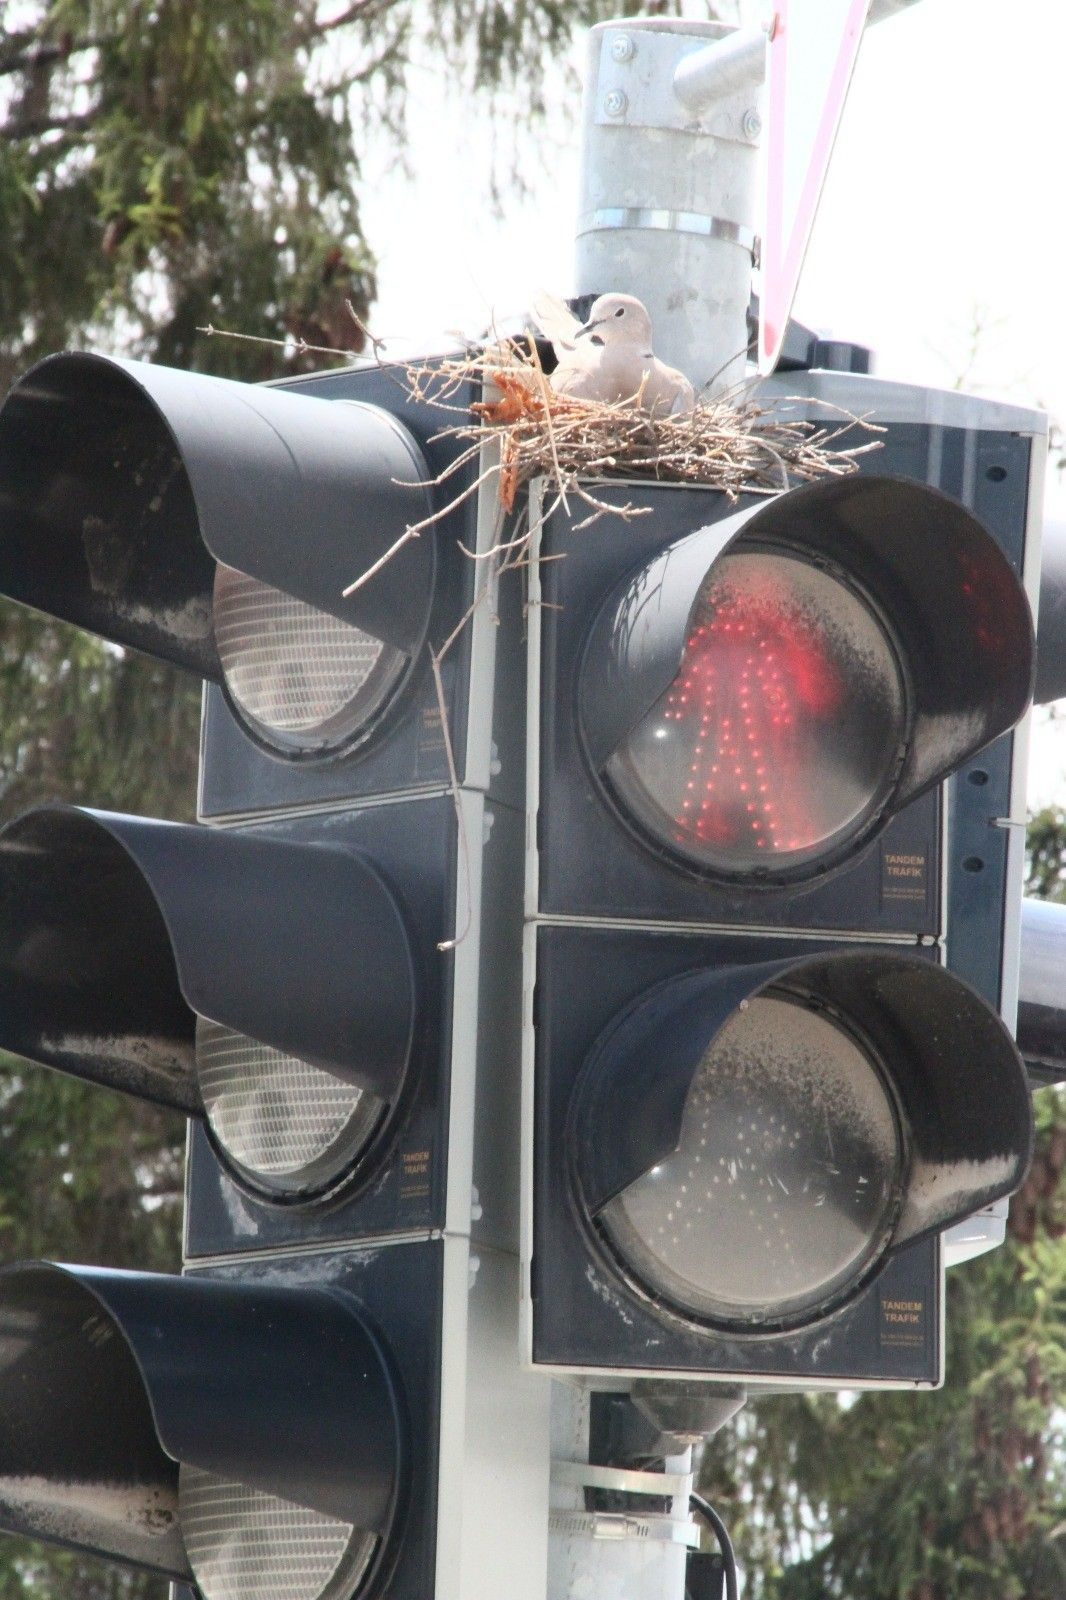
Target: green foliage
x: 1046, y: 847
x: 165, y: 164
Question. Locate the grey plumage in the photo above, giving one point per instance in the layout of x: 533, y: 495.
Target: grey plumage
x: 609, y: 357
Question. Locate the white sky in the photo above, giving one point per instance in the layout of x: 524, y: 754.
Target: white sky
x: 944, y: 203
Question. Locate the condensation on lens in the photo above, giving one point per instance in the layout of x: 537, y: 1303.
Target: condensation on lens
x: 786, y: 1180
x: 285, y: 1125
x: 779, y: 737
x: 243, y: 1544
x: 303, y: 679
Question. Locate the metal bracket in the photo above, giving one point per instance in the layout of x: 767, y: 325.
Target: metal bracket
x: 625, y: 1480
x: 672, y: 222
x: 621, y: 1525
x: 636, y: 89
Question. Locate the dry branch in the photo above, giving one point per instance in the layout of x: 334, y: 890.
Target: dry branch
x: 733, y: 444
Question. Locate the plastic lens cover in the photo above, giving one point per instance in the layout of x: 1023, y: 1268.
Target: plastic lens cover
x: 305, y: 681
x: 285, y: 1126
x: 780, y: 736
x: 786, y: 1180
x: 246, y: 1545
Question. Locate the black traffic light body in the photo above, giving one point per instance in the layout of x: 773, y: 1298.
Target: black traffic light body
x: 428, y: 860
x: 797, y: 1004
x: 126, y: 488
x: 408, y: 753
x: 633, y: 919
x: 305, y: 980
x: 114, y: 1382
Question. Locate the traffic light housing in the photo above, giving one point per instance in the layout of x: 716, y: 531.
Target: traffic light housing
x: 306, y: 981
x: 771, y: 759
x: 328, y: 978
x: 217, y: 525
x: 111, y: 1403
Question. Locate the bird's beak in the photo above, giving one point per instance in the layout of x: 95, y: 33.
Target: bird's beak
x: 587, y: 327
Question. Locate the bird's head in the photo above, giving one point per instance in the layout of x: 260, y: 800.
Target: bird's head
x: 618, y: 318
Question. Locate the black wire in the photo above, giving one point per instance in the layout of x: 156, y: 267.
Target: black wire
x: 725, y: 1544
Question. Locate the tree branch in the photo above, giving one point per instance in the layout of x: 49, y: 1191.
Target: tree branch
x: 23, y: 52
x: 33, y: 127
x: 358, y: 11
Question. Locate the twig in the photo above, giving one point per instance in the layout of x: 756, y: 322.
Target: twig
x: 377, y: 345
x: 299, y: 347
x: 409, y: 533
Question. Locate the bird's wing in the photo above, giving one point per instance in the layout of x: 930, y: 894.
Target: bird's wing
x: 554, y: 320
x: 685, y: 398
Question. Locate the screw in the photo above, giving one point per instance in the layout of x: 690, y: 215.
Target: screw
x: 622, y: 47
x: 751, y: 123
x: 615, y: 104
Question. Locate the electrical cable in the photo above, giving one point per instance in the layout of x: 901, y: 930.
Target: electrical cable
x: 725, y: 1544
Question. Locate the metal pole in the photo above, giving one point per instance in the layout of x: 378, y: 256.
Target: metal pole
x: 668, y: 194
x: 1051, y: 617
x: 731, y: 64
x: 1042, y: 990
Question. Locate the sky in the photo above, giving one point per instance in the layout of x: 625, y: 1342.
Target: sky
x: 942, y: 215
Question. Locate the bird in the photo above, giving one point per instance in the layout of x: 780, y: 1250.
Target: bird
x: 609, y: 357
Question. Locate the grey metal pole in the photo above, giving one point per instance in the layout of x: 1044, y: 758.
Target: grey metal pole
x: 1042, y: 990
x: 668, y: 192
x: 1051, y: 617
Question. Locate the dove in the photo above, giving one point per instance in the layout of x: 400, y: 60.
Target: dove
x: 610, y: 357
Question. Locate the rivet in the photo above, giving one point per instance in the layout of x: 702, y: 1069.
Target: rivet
x: 622, y: 47
x: 615, y: 104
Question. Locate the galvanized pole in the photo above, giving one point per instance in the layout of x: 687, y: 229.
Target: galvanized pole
x: 671, y: 124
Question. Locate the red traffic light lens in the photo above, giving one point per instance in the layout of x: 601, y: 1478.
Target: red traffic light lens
x: 783, y: 729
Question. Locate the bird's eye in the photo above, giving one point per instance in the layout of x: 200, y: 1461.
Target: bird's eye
x: 595, y: 339
x: 621, y: 311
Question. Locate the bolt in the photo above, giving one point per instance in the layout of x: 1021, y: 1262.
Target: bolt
x: 622, y: 47
x: 615, y: 104
x: 751, y: 123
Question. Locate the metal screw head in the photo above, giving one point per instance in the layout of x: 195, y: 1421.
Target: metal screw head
x: 751, y: 123
x: 622, y: 47
x: 615, y: 104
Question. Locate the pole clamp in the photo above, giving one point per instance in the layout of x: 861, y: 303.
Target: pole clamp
x: 660, y: 220
x: 623, y: 1525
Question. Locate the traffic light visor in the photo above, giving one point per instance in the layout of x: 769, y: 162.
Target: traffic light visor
x: 247, y: 1435
x: 216, y: 524
x: 152, y: 957
x: 749, y: 1143
x: 760, y: 698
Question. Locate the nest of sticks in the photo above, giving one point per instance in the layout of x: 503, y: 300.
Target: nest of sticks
x: 730, y: 443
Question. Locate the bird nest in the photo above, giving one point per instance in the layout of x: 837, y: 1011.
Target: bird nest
x: 731, y: 443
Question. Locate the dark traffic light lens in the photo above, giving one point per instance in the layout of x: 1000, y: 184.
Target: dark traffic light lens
x: 785, y: 1182
x: 246, y: 1545
x: 305, y: 681
x: 285, y: 1126
x: 783, y: 729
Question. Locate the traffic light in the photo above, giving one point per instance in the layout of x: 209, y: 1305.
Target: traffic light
x: 773, y: 861
x: 293, y: 1418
